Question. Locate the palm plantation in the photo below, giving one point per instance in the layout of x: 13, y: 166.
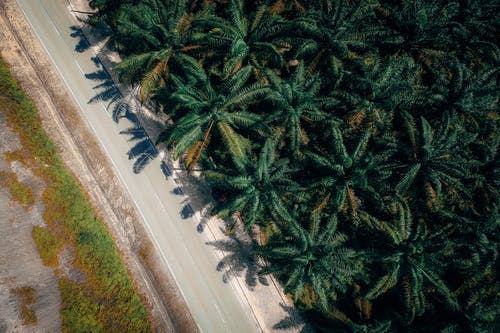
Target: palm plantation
x: 360, y: 137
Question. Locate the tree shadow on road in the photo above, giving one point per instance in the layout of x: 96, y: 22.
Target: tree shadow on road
x: 99, y: 33
x: 293, y: 320
x: 83, y: 44
x: 143, y: 149
x: 239, y: 258
x: 107, y: 91
x: 194, y: 188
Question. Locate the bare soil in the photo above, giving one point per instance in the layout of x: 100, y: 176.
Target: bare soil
x: 20, y: 264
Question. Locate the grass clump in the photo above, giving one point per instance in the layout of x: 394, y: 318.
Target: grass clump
x: 26, y: 297
x: 20, y: 192
x: 107, y: 299
x: 48, y: 245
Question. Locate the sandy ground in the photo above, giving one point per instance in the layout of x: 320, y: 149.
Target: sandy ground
x: 20, y: 265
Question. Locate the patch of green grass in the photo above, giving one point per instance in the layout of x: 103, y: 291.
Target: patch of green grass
x: 48, y: 245
x: 107, y: 300
x: 20, y: 192
x: 79, y: 311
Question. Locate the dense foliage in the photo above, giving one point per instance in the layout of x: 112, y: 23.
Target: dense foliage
x: 361, y: 136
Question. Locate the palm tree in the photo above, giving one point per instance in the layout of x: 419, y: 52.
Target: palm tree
x: 295, y: 104
x: 476, y: 99
x: 481, y: 308
x: 335, y: 32
x: 436, y: 158
x: 258, y: 188
x: 199, y: 108
x: 243, y: 40
x: 151, y: 34
x: 414, y: 259
x: 476, y: 40
x: 314, y: 263
x: 429, y: 30
x: 344, y: 177
x: 106, y: 9
x: 487, y: 180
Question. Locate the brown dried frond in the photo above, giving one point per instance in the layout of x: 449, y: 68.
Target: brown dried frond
x: 190, y: 47
x: 432, y: 197
x: 356, y: 119
x: 364, y: 306
x: 184, y: 23
x: 353, y: 201
x: 308, y: 297
x: 299, y: 6
x: 236, y: 67
x: 304, y: 137
x: 193, y: 154
x: 315, y: 61
x: 336, y: 314
x: 277, y: 7
x: 322, y: 205
x: 153, y: 79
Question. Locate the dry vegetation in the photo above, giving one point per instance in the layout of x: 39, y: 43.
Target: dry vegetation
x: 47, y: 244
x: 107, y: 299
x: 26, y: 297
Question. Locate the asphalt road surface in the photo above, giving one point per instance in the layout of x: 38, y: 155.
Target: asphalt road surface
x: 213, y: 303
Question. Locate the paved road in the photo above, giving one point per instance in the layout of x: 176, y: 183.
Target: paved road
x: 214, y: 304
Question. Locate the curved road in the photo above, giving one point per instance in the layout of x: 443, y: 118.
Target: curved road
x: 214, y: 304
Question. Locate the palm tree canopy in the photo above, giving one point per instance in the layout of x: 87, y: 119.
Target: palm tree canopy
x: 357, y: 138
x: 200, y: 109
x: 259, y: 186
x: 249, y: 40
x: 315, y: 257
